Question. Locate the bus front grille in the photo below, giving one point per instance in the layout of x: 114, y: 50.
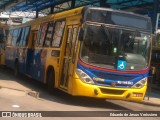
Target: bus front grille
x: 114, y: 92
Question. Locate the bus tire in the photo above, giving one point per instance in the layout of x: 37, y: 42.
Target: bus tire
x: 50, y: 81
x: 16, y: 69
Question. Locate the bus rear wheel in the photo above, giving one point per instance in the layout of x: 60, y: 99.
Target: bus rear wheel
x: 16, y: 69
x: 50, y: 81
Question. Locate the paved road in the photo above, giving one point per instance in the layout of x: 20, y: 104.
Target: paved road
x: 13, y: 100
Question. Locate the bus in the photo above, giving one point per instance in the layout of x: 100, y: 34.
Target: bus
x: 87, y: 51
x: 3, y: 36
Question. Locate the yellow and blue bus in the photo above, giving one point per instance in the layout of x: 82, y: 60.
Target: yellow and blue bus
x: 87, y: 51
x: 3, y: 35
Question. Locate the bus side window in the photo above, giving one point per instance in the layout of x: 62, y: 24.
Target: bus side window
x: 58, y: 33
x: 22, y: 37
x: 26, y: 35
x: 34, y: 38
x: 14, y: 37
x: 49, y: 34
x: 19, y: 36
x: 9, y: 39
x: 42, y: 35
x: 39, y: 36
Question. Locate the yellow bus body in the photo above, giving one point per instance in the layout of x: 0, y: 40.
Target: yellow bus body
x: 75, y: 86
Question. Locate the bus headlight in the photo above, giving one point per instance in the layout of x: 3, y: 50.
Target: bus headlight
x: 84, y: 77
x: 140, y: 83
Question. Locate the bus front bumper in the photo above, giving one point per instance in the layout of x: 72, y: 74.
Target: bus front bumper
x: 88, y: 90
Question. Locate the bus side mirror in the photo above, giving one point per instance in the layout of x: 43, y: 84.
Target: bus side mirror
x: 153, y: 70
x: 80, y: 37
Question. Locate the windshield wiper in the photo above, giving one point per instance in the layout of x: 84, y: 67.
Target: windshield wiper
x: 107, y: 34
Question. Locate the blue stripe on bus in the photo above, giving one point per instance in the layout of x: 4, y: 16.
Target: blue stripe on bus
x: 31, y: 63
x: 35, y: 66
x: 109, y: 77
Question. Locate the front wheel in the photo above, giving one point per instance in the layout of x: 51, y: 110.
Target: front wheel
x: 50, y: 81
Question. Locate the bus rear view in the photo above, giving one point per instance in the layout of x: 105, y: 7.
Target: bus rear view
x: 114, y: 56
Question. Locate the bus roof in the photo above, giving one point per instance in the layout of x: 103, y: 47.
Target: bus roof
x: 71, y: 12
x: 55, y: 16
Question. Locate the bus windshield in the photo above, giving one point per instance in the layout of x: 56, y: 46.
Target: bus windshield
x: 103, y: 46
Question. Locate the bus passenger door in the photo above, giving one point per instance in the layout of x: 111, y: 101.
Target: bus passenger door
x: 68, y: 64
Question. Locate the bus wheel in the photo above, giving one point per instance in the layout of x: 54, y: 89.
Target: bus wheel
x: 16, y: 70
x: 50, y: 81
